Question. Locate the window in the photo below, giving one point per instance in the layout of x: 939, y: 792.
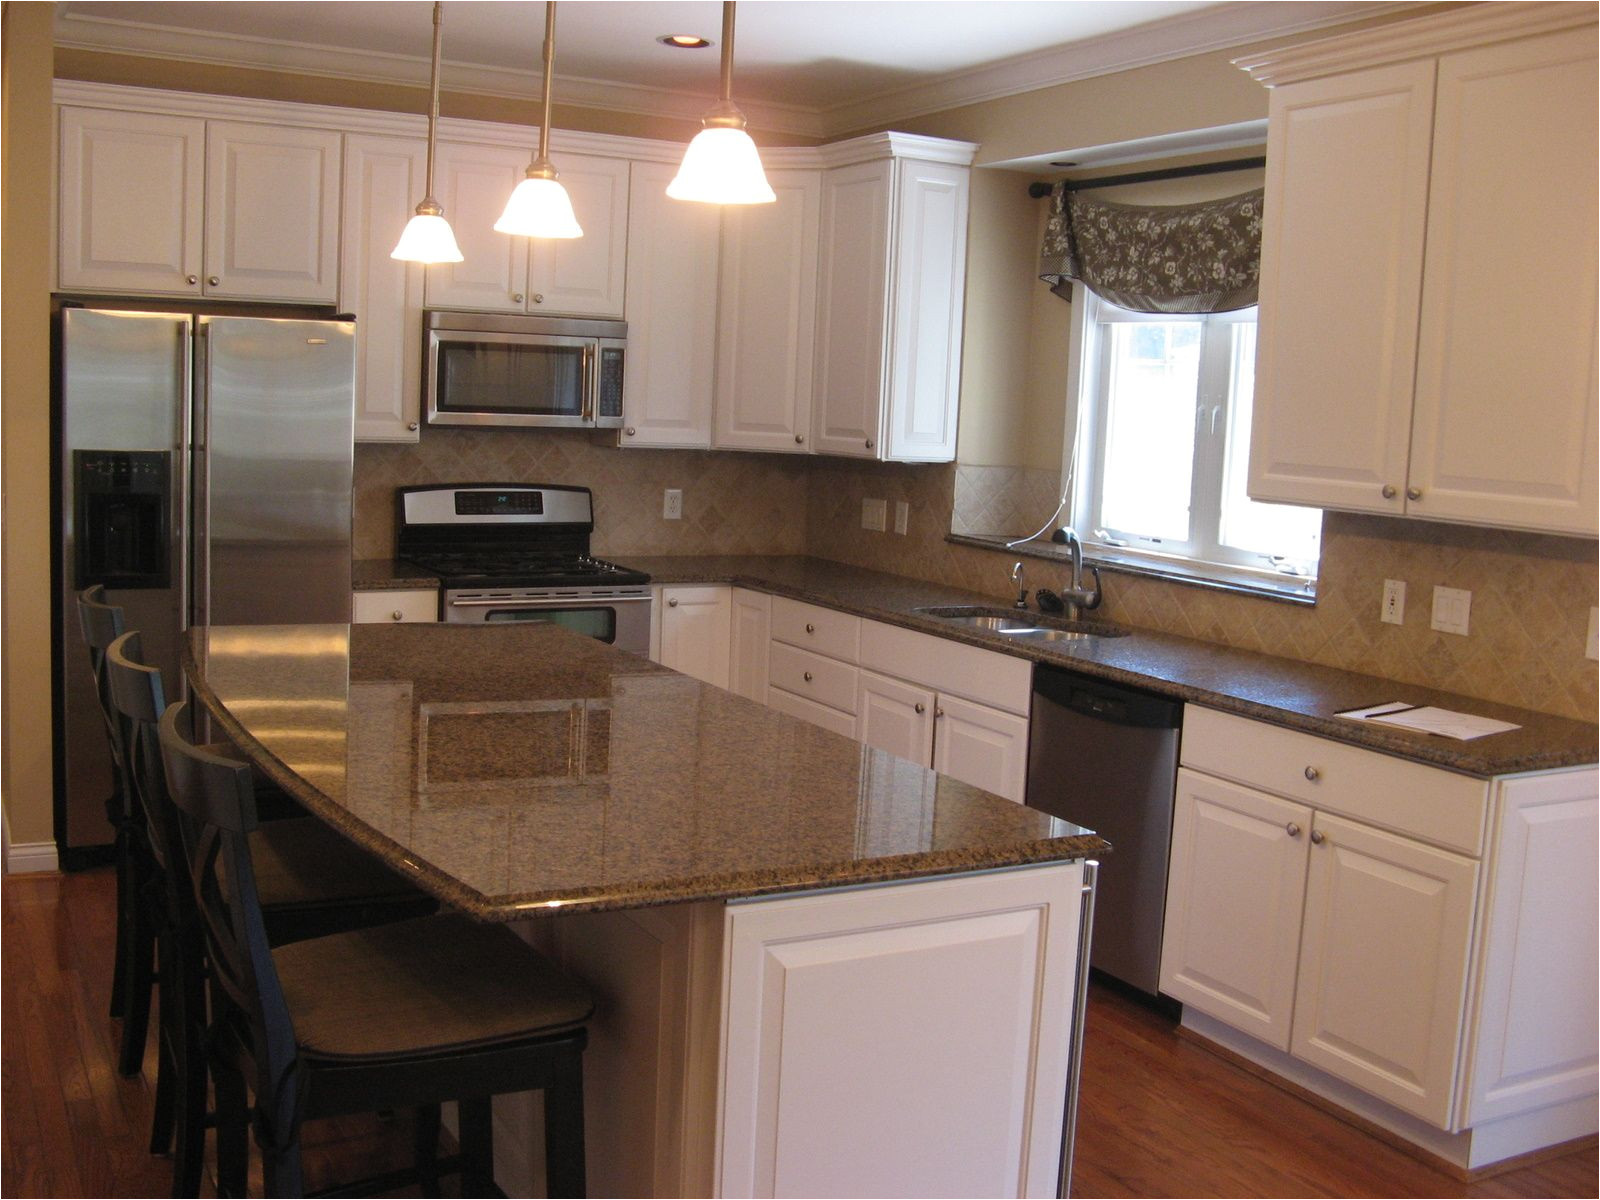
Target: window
x: 1163, y: 447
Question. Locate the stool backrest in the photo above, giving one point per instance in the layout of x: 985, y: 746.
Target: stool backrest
x: 137, y: 701
x: 214, y: 798
x: 102, y: 624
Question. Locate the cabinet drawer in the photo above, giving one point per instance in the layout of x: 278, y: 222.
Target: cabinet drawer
x: 954, y: 668
x: 809, y: 710
x: 1425, y: 802
x: 414, y: 604
x: 823, y: 630
x: 824, y: 680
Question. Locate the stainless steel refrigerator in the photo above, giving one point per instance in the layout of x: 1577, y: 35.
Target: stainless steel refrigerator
x: 204, y: 478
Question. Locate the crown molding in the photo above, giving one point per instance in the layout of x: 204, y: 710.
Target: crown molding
x: 1423, y: 37
x: 105, y: 35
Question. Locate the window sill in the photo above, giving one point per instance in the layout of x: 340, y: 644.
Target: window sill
x: 1292, y: 589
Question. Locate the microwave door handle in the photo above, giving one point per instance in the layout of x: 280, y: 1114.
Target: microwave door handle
x: 591, y: 381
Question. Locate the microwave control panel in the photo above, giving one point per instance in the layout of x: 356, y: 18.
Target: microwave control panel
x: 609, y: 403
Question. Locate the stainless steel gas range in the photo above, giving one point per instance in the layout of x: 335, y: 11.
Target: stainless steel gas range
x: 520, y: 552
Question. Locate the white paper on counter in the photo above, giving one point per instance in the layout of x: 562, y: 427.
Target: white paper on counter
x: 1442, y: 721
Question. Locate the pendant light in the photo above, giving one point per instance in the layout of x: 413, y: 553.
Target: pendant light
x: 539, y: 206
x: 427, y: 237
x: 721, y: 165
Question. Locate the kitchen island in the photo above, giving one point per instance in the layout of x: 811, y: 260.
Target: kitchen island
x: 821, y: 969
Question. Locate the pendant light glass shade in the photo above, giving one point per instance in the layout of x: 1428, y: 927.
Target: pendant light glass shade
x: 721, y: 165
x: 539, y: 206
x: 427, y: 237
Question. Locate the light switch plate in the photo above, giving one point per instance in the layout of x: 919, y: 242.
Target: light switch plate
x: 1451, y: 609
x: 902, y: 519
x: 1591, y: 648
x: 1393, y: 609
x: 874, y: 515
x: 672, y: 504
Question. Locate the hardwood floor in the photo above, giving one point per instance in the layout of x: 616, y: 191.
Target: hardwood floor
x: 1160, y: 1115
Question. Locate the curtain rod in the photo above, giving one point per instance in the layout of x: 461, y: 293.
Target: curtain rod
x: 1040, y: 190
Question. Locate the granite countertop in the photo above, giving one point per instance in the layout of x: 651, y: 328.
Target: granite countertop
x: 389, y: 574
x: 522, y: 769
x: 1280, y: 691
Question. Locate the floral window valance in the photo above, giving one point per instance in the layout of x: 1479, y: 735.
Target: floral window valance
x: 1182, y: 258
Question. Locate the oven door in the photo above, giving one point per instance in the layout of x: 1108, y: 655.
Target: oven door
x: 476, y: 377
x: 621, y: 620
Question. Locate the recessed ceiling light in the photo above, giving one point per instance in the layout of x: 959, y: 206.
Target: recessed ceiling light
x: 683, y: 41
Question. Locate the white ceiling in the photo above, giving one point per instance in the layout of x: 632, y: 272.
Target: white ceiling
x: 805, y: 66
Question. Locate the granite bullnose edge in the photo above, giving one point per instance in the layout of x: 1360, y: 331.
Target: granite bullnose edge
x: 389, y: 575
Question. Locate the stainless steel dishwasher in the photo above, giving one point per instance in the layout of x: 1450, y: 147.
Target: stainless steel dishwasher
x: 1106, y: 756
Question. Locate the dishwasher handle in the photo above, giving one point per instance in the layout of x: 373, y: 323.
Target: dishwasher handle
x: 1108, y: 702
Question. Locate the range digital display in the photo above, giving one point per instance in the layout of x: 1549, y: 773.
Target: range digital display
x: 499, y: 504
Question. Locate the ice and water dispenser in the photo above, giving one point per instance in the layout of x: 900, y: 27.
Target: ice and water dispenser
x: 121, y: 518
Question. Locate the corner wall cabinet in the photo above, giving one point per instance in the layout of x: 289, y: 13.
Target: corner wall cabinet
x: 1428, y: 273
x: 1359, y: 914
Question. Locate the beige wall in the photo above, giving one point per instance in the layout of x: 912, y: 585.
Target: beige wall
x: 25, y: 774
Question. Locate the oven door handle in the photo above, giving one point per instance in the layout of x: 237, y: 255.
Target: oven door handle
x: 575, y: 602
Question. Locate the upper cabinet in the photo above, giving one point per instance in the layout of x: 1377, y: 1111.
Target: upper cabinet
x: 177, y: 206
x: 501, y: 273
x: 1428, y: 274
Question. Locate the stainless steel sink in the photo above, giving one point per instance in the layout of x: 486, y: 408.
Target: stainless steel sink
x: 1017, y: 623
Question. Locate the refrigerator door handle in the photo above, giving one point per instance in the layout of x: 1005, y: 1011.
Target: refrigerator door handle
x: 185, y: 465
x: 199, y: 441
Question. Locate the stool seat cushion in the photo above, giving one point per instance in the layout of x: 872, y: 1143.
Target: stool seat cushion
x: 421, y: 987
x: 300, y: 862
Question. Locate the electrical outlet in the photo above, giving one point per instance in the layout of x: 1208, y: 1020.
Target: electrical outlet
x: 1393, y: 611
x: 874, y: 515
x: 1591, y: 647
x: 672, y: 504
x: 902, y: 518
x: 1451, y: 609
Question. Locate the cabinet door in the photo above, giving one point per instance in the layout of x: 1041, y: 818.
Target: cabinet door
x: 473, y: 183
x: 752, y: 638
x: 584, y: 276
x: 767, y: 317
x: 852, y: 305
x: 1505, y: 427
x: 1383, y: 965
x: 272, y: 213
x: 672, y: 314
x: 925, y: 316
x: 695, y: 632
x: 981, y: 746
x: 132, y: 194
x: 383, y: 179
x: 895, y: 716
x: 1235, y: 889
x: 1341, y: 279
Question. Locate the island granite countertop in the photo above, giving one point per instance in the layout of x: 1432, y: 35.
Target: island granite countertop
x: 522, y: 769
x: 1281, y: 691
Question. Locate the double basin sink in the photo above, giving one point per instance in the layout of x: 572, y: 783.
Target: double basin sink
x: 1016, y: 622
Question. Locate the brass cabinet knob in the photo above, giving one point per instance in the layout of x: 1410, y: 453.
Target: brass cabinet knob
x: 1292, y: 829
x: 628, y: 431
x: 213, y: 280
x: 810, y: 628
x: 396, y: 615
x: 673, y: 603
x: 412, y: 426
x: 799, y: 439
x: 538, y: 297
x: 921, y: 708
x: 192, y: 279
x: 1389, y: 491
x: 1313, y: 774
x: 516, y: 297
x: 869, y: 443
x: 938, y: 712
x: 806, y: 677
x: 1413, y: 493
x: 1318, y: 837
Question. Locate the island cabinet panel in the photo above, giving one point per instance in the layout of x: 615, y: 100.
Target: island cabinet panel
x: 132, y: 198
x: 1235, y: 889
x: 696, y: 628
x: 835, y: 1005
x: 1383, y: 965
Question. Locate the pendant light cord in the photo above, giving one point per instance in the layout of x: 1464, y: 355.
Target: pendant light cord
x: 727, y: 51
x: 433, y: 100
x: 549, y: 71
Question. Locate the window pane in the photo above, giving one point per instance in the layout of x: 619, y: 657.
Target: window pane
x: 1285, y: 530
x: 1154, y: 371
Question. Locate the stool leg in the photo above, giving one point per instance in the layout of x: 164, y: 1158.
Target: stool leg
x: 425, y: 1143
x: 165, y: 1104
x: 119, y: 968
x: 141, y: 979
x: 563, y: 1128
x: 233, y: 1131
x: 477, y: 1146
x: 280, y: 1170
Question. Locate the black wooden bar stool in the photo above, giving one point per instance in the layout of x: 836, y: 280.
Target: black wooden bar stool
x: 409, y: 1014
x: 313, y: 883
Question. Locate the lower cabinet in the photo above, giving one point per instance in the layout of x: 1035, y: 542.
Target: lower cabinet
x: 409, y: 604
x: 696, y: 627
x: 752, y: 633
x: 971, y: 742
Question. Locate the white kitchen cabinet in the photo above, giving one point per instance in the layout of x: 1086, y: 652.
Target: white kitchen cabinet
x: 395, y: 605
x: 895, y: 716
x: 673, y: 252
x: 272, y: 212
x: 1428, y: 321
x: 132, y: 200
x: 473, y: 182
x: 696, y: 629
x: 584, y: 277
x: 383, y: 176
x: 1383, y: 964
x: 1236, y: 886
x: 832, y: 719
x: 748, y: 651
x: 981, y: 746
x: 766, y: 327
x: 890, y: 303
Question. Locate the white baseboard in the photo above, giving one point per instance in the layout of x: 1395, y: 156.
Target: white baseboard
x: 30, y: 858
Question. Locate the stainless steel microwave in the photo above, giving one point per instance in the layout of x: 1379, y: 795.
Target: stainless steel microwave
x: 491, y: 369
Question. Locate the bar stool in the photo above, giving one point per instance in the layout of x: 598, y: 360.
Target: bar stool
x: 313, y: 881
x: 414, y: 1013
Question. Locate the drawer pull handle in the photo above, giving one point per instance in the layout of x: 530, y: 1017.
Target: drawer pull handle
x: 1318, y: 837
x: 1389, y: 491
x: 810, y: 628
x: 1313, y: 774
x: 396, y: 615
x: 806, y: 677
x: 673, y: 603
x: 921, y: 708
x: 1292, y: 829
